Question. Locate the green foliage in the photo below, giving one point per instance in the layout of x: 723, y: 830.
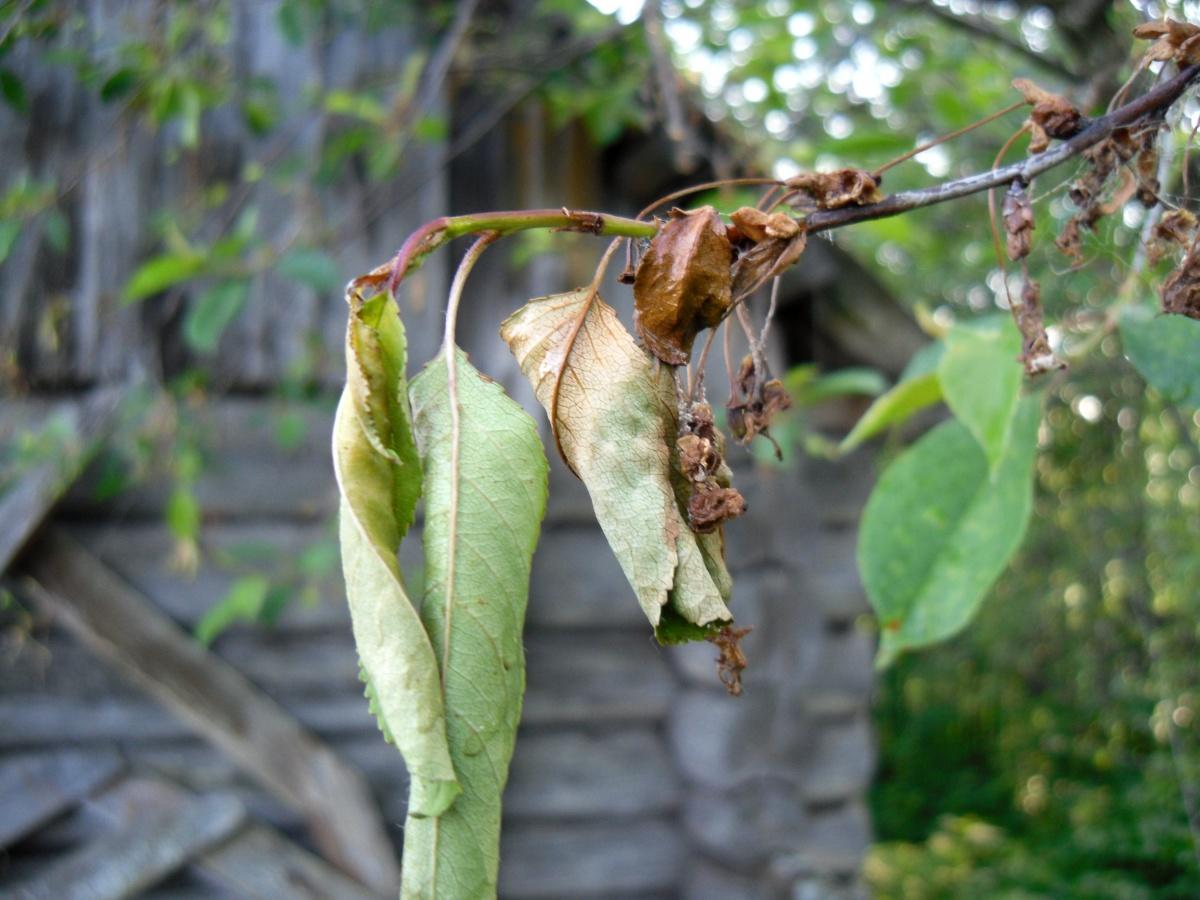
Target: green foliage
x: 1166, y: 352
x: 210, y: 314
x: 939, y: 528
x: 1050, y: 751
x: 908, y: 397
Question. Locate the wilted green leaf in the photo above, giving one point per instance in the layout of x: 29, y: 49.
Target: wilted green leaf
x: 938, y: 530
x: 615, y: 420
x: 379, y: 476
x: 160, y: 273
x: 210, y: 314
x: 1166, y: 352
x: 243, y: 603
x: 314, y: 268
x: 980, y: 375
x: 485, y: 494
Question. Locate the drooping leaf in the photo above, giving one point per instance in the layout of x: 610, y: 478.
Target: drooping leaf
x: 613, y: 410
x: 379, y: 476
x: 939, y: 528
x: 981, y: 377
x: 485, y: 494
x: 1166, y: 352
x: 683, y: 283
x: 212, y: 312
x: 807, y: 387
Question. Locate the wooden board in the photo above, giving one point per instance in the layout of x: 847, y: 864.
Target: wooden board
x: 36, y: 787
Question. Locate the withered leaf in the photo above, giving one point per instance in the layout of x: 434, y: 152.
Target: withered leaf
x: 732, y: 660
x: 758, y: 226
x: 1036, y: 352
x: 1176, y: 228
x: 764, y: 261
x: 616, y: 421
x: 1053, y: 116
x: 756, y: 400
x: 710, y: 505
x: 833, y: 190
x: 683, y: 283
x: 1173, y: 39
x: 1181, y: 291
x: 1018, y: 221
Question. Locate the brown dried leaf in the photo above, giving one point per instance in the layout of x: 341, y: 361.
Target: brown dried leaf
x: 1036, y: 353
x: 1181, y: 291
x: 756, y: 400
x: 732, y: 661
x: 833, y: 190
x: 1176, y: 228
x: 764, y: 261
x: 1053, y: 116
x: 758, y: 226
x: 1173, y: 39
x: 710, y: 505
x: 683, y: 283
x: 1018, y: 221
x: 1069, y: 241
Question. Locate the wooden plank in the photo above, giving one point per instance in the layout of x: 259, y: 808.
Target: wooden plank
x: 554, y: 861
x: 139, y: 855
x: 25, y: 503
x: 256, y: 863
x: 35, y: 788
x: 214, y: 699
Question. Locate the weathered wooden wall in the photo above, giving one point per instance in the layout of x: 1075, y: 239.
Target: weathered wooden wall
x: 634, y: 774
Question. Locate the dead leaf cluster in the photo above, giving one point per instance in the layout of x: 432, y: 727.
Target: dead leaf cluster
x: 700, y: 447
x: 1052, y: 116
x: 1175, y: 230
x: 833, y: 190
x: 756, y: 400
x: 1175, y: 40
x: 683, y: 284
x: 1036, y: 354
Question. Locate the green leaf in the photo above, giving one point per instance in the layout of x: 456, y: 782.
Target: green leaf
x: 210, y: 314
x: 243, y: 603
x: 160, y: 273
x: 12, y: 89
x: 183, y: 514
x: 118, y: 84
x: 1166, y: 352
x: 485, y: 495
x: 379, y: 477
x: 314, y: 268
x: 10, y: 230
x: 897, y: 405
x: 981, y: 378
x: 810, y: 389
x: 615, y: 420
x: 939, y: 528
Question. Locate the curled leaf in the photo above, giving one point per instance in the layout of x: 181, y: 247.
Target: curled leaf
x: 732, y: 661
x: 1176, y: 228
x: 710, y: 505
x: 1053, y: 116
x: 1173, y: 39
x: 758, y: 226
x: 1036, y: 353
x: 756, y: 400
x: 615, y: 415
x: 1018, y: 221
x: 1181, y: 291
x: 833, y: 190
x: 379, y: 477
x: 683, y: 283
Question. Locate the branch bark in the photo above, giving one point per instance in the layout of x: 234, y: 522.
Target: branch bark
x: 1026, y: 170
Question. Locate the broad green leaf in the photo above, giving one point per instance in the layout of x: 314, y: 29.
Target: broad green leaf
x: 485, y: 494
x: 924, y: 361
x: 243, y: 603
x: 1166, y: 352
x: 314, y: 268
x: 897, y: 405
x: 980, y: 375
x: 939, y: 528
x: 808, y: 387
x: 160, y: 273
x: 212, y: 312
x: 616, y: 423
x: 379, y: 476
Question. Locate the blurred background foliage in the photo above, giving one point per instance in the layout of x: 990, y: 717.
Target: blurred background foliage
x: 1047, y: 751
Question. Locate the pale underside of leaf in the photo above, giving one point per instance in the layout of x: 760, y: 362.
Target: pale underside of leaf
x: 615, y: 417
x: 376, y: 465
x: 980, y: 377
x: 939, y: 528
x: 485, y: 494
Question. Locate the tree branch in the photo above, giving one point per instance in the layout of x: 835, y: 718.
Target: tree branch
x: 1153, y: 101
